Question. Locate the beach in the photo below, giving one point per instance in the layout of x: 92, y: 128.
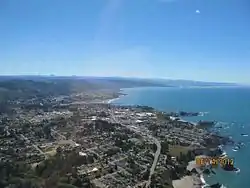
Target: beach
x: 193, y: 181
x: 186, y: 181
x: 109, y: 101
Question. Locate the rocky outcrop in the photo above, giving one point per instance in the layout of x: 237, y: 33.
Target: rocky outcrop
x: 188, y: 114
x: 229, y: 167
x: 217, y: 185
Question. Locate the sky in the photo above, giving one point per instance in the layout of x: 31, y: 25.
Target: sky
x: 207, y: 40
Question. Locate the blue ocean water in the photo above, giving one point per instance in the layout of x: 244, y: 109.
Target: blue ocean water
x: 229, y: 106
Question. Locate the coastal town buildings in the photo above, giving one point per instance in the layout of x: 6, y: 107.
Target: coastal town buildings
x: 111, y: 145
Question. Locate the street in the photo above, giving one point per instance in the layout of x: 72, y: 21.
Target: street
x: 157, y: 153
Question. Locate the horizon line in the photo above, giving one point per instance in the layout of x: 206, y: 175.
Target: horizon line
x: 127, y: 77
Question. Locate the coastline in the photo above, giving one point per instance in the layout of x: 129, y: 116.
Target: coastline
x: 192, y: 181
x: 198, y: 179
x: 109, y: 101
x: 188, y: 181
x: 119, y: 93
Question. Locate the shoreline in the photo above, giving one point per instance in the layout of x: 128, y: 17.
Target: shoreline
x: 109, y: 101
x: 119, y: 93
x: 198, y: 179
x: 203, y: 181
x: 192, y: 181
x: 187, y: 181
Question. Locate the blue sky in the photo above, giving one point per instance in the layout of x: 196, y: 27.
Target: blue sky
x: 205, y: 40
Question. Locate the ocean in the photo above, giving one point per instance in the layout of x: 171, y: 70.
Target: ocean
x: 229, y: 106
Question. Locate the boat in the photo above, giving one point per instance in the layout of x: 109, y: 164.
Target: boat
x: 241, y: 144
x: 223, y: 155
x: 237, y: 171
x: 244, y: 134
x: 236, y: 148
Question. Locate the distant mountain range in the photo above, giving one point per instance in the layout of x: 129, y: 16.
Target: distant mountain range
x: 123, y: 81
x: 24, y: 87
x: 187, y: 83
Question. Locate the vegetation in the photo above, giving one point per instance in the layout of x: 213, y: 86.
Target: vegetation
x: 162, y: 179
x: 57, y: 172
x: 176, y: 150
x: 164, y: 147
x: 145, y: 108
x: 163, y: 116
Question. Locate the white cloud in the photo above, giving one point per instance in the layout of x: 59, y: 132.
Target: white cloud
x: 197, y: 11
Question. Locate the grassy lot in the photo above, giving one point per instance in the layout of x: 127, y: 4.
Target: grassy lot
x: 175, y: 150
x: 51, y: 153
x: 48, y: 149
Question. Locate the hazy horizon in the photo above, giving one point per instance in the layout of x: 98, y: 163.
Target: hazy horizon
x: 119, y: 77
x: 165, y: 39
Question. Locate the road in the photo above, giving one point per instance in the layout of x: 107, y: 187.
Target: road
x: 157, y: 153
x: 117, y: 160
x: 156, y: 157
x: 56, y: 132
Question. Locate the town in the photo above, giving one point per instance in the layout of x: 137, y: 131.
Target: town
x: 80, y: 140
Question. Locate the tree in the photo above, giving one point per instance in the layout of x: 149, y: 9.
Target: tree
x: 153, y: 127
x: 164, y: 147
x: 116, y: 168
x: 153, y: 181
x: 47, y: 131
x: 146, y: 175
x: 65, y: 185
x: 59, y: 150
x: 78, y: 182
x: 194, y: 171
x: 154, y: 147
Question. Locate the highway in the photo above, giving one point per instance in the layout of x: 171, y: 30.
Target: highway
x: 156, y: 157
x: 157, y: 153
